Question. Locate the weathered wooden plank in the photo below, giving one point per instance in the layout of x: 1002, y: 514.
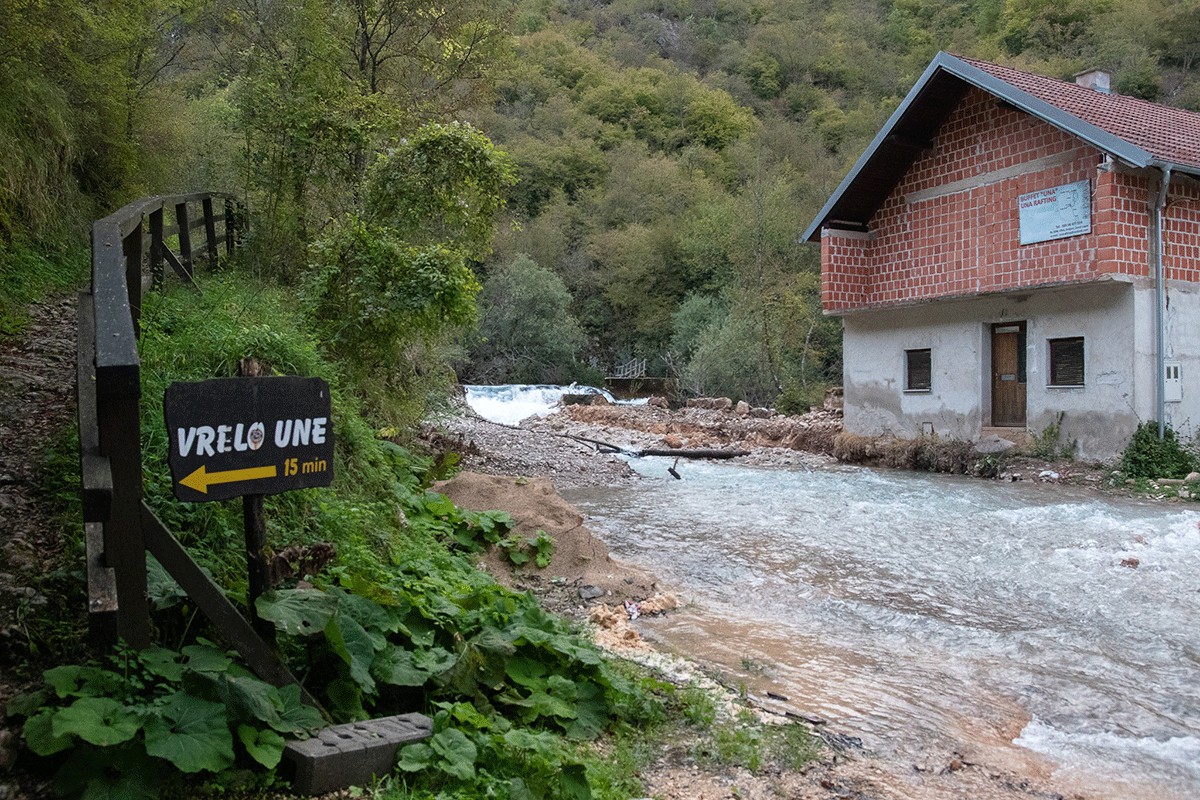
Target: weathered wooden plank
x: 229, y: 623
x: 177, y: 266
x: 124, y: 548
x: 156, y: 248
x: 131, y: 245
x: 95, y: 475
x: 229, y: 227
x: 210, y: 232
x: 116, y: 345
x: 102, y: 589
x: 185, y: 238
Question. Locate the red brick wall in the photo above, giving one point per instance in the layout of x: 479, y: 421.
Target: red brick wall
x: 968, y: 242
x: 1181, y: 220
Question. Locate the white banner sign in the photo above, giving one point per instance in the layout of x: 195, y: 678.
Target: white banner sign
x: 1056, y: 213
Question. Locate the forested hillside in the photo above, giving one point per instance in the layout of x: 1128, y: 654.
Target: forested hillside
x: 666, y: 155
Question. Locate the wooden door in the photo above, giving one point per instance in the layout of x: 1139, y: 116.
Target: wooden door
x: 1008, y: 375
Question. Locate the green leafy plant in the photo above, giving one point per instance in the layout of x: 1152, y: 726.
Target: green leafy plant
x: 1046, y: 444
x: 116, y: 722
x: 1147, y: 456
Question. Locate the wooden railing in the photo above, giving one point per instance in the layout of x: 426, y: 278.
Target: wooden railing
x: 634, y: 368
x: 129, y: 249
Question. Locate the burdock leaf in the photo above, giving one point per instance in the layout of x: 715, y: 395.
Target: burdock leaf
x: 97, y: 720
x: 192, y: 734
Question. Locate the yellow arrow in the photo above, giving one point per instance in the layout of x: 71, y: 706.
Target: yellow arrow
x: 201, y: 479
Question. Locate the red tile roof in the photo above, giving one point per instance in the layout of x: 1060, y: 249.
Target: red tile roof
x: 1169, y: 134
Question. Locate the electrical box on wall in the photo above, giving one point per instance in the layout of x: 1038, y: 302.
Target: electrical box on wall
x: 1172, y: 382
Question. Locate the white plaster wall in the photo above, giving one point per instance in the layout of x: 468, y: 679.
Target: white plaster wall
x: 1183, y: 344
x: 1099, y: 415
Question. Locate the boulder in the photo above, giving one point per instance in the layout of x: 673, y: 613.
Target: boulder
x: 993, y: 444
x: 742, y: 408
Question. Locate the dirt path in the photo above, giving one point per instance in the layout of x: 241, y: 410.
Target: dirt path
x: 37, y: 401
x: 37, y: 389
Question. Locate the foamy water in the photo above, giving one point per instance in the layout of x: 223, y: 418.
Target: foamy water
x: 509, y: 404
x: 907, y: 605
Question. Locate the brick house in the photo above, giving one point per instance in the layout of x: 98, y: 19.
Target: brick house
x: 1012, y: 250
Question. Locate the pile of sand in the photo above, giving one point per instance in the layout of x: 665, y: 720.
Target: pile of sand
x: 580, y: 560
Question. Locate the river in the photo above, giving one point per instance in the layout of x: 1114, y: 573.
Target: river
x: 918, y: 610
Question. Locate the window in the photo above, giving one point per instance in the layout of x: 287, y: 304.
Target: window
x: 1066, y: 361
x: 918, y: 370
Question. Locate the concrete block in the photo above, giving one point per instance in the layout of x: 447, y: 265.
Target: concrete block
x: 351, y: 754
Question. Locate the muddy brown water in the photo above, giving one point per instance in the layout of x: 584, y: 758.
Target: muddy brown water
x: 927, y: 613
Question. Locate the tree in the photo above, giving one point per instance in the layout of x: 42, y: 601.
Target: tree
x: 526, y: 331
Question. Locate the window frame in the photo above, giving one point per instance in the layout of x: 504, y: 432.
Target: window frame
x: 908, y: 385
x: 1050, y: 361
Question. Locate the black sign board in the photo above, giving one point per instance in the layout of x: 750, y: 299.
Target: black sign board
x: 231, y: 437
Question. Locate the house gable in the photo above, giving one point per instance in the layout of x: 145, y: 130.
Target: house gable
x: 949, y: 227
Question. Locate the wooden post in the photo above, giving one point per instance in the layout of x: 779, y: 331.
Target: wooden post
x: 255, y: 523
x: 228, y: 226
x: 132, y: 247
x: 156, y: 248
x: 185, y: 240
x: 210, y: 232
x: 118, y: 390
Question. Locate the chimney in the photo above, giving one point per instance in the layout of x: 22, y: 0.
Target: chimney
x: 1095, y: 79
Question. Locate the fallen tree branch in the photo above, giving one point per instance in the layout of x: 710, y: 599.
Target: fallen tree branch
x: 608, y: 447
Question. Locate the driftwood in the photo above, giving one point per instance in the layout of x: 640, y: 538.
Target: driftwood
x: 608, y: 447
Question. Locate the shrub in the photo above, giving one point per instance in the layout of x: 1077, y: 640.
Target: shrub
x: 526, y: 331
x: 1147, y: 456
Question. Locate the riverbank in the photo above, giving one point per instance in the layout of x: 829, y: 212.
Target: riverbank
x: 981, y: 764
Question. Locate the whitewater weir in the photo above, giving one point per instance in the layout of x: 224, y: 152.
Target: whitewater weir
x: 917, y: 610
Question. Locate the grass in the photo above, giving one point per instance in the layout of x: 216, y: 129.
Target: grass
x: 33, y: 273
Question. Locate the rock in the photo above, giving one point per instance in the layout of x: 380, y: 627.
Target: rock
x: 993, y: 444
x: 761, y: 413
x: 658, y: 402
x: 673, y: 440
x: 1192, y: 476
x: 599, y: 400
x: 590, y: 592
x: 1048, y: 475
x: 742, y: 408
x: 1130, y: 562
x: 711, y: 403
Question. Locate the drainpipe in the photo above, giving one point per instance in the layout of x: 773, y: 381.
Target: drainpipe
x: 1159, y: 302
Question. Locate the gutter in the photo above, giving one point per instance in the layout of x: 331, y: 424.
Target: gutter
x: 1159, y: 301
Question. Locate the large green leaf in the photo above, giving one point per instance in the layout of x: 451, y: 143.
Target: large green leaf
x: 123, y: 772
x: 264, y: 745
x: 250, y: 699
x: 73, y: 680
x: 295, y: 716
x: 298, y: 612
x: 416, y: 757
x: 27, y: 704
x: 458, y: 753
x: 527, y: 672
x: 435, y: 660
x: 574, y: 783
x: 368, y: 613
x: 162, y: 662
x: 395, y: 667
x: 40, y: 736
x: 192, y: 734
x: 207, y: 657
x: 97, y: 720
x: 355, y: 646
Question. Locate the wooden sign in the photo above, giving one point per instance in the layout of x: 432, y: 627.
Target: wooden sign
x: 231, y: 437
